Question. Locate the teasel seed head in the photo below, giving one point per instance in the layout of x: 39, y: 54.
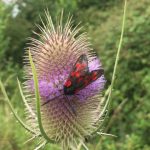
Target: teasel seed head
x: 54, y: 55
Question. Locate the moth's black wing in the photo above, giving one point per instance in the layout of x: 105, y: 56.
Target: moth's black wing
x: 80, y: 68
x: 80, y: 76
x: 81, y: 65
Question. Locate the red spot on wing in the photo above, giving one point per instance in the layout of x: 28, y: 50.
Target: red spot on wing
x: 75, y: 74
x: 81, y: 64
x: 68, y: 83
x: 94, y: 75
x: 80, y: 67
x: 72, y: 74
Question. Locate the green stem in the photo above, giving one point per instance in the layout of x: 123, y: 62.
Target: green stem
x: 116, y: 61
x: 37, y: 95
x: 118, y: 53
x: 13, y: 110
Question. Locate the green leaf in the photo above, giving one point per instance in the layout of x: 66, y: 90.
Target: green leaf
x: 37, y: 95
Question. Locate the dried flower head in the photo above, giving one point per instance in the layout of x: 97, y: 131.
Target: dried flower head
x: 66, y: 119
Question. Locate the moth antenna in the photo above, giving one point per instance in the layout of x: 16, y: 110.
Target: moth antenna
x: 51, y: 100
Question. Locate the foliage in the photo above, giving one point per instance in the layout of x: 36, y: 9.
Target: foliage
x: 102, y: 22
x: 133, y: 69
x: 3, y: 22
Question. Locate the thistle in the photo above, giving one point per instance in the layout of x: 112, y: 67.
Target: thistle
x: 66, y: 119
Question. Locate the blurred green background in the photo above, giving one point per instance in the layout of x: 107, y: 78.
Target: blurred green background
x: 102, y: 20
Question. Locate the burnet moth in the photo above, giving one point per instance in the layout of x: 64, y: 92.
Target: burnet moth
x: 79, y: 78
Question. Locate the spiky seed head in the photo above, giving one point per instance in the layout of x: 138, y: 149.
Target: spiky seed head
x: 54, y: 55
